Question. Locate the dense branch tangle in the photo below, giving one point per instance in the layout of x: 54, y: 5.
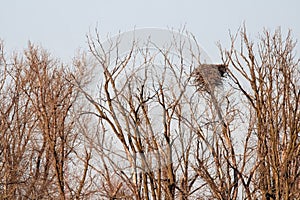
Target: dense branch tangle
x: 150, y: 124
x: 272, y: 89
x: 37, y: 129
x: 167, y: 136
x: 131, y: 99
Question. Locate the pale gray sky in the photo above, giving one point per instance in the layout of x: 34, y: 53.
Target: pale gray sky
x: 60, y: 26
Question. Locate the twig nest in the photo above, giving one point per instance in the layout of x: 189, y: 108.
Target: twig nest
x: 208, y: 76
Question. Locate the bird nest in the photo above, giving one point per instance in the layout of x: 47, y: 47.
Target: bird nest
x: 208, y: 76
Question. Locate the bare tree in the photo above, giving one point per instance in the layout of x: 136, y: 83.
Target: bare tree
x: 171, y: 138
x: 267, y: 74
x: 38, y: 134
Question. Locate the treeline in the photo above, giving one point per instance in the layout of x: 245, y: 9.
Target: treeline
x: 168, y: 132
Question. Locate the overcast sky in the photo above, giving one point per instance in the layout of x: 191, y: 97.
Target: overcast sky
x: 60, y: 26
